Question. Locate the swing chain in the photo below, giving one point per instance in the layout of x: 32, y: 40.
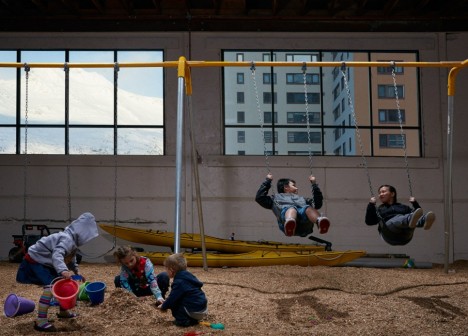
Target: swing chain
x: 353, y: 113
x: 260, y: 117
x: 309, y: 141
x: 66, y: 68
x: 116, y: 70
x: 27, y: 68
x: 400, y: 121
x: 116, y: 77
x: 306, y: 100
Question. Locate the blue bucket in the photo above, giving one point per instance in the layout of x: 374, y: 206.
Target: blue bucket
x: 95, y: 292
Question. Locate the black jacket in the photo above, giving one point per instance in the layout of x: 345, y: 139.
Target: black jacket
x: 387, y: 211
x: 268, y: 201
x: 383, y: 213
x: 186, y: 292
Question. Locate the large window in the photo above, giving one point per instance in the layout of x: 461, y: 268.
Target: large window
x: 334, y: 98
x: 116, y: 110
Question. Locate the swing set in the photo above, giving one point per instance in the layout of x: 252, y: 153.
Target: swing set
x: 184, y: 83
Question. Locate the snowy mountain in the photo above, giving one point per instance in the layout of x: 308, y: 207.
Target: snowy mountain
x: 91, y: 102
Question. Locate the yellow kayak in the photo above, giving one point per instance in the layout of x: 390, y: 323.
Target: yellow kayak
x: 262, y: 258
x: 193, y: 240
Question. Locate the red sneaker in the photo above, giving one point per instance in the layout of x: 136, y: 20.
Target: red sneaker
x: 323, y: 224
x: 290, y: 227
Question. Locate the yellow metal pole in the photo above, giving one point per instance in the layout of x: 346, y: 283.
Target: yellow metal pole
x: 200, y: 64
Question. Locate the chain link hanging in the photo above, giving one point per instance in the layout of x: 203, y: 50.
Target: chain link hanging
x: 260, y: 117
x: 116, y: 81
x: 400, y: 121
x: 309, y: 141
x: 66, y: 68
x: 358, y: 133
x: 25, y: 168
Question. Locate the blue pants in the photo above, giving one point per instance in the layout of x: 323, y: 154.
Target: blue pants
x: 303, y: 226
x: 35, y: 273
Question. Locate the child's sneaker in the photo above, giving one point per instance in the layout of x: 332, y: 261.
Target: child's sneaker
x: 415, y: 216
x: 44, y: 327
x: 428, y: 219
x: 323, y: 224
x: 290, y: 227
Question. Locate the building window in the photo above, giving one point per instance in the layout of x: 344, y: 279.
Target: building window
x: 267, y: 57
x: 336, y: 112
x: 332, y: 112
x: 89, y: 125
x: 388, y: 91
x: 337, y: 133
x: 240, y: 117
x: 388, y: 70
x: 302, y: 137
x: 298, y: 78
x: 240, y: 136
x: 336, y: 92
x: 240, y: 98
x: 299, y: 98
x: 240, y: 78
x: 267, y: 78
x: 268, y: 139
x: 392, y: 140
x: 300, y: 57
x: 267, y: 117
x: 301, y: 118
x: 267, y: 98
x: 391, y: 116
x: 335, y: 72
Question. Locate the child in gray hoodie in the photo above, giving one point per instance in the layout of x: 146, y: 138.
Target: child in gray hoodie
x: 54, y: 256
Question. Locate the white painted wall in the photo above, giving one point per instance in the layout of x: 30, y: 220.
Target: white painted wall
x: 146, y: 185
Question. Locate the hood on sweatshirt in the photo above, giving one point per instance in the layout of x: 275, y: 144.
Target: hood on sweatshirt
x: 83, y: 229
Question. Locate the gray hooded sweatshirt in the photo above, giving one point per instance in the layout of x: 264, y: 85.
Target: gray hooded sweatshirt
x: 52, y: 250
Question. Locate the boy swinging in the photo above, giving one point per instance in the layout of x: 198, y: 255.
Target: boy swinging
x: 296, y: 215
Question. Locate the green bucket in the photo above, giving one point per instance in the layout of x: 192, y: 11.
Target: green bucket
x: 82, y: 294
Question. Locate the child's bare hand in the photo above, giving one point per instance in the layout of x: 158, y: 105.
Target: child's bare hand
x: 373, y: 200
x: 412, y: 199
x: 312, y: 179
x: 159, y: 302
x: 66, y: 274
x: 269, y: 176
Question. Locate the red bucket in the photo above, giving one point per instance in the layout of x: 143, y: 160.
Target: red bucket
x: 66, y: 292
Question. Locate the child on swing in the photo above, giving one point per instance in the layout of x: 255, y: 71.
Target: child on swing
x: 296, y: 215
x: 396, y: 221
x: 54, y: 256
